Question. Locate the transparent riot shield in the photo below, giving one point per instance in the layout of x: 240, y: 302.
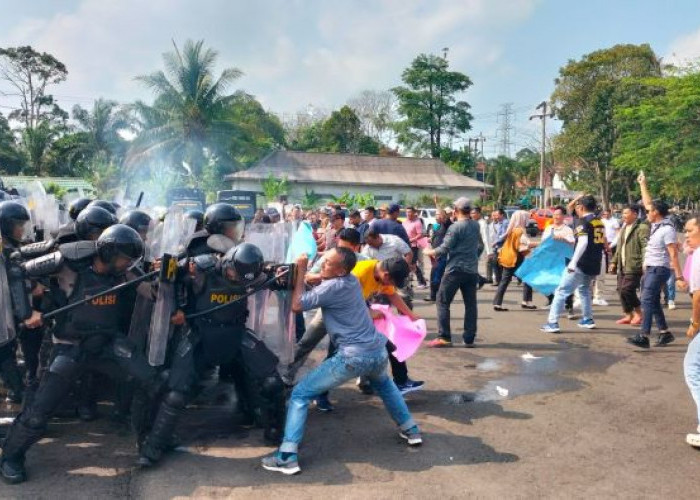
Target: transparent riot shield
x: 176, y: 229
x: 7, y: 321
x: 270, y: 312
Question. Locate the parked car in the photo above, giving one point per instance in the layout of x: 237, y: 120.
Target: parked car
x: 532, y: 229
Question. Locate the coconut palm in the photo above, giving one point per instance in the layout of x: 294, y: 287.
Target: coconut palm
x: 189, y: 123
x: 102, y: 127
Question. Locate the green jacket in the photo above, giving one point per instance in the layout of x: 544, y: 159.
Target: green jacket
x: 634, y: 248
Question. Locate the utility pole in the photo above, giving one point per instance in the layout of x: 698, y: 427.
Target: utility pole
x: 543, y: 116
x: 479, y: 139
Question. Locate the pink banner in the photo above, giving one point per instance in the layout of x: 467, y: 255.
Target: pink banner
x: 405, y: 334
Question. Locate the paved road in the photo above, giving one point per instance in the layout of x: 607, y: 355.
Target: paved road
x: 592, y: 417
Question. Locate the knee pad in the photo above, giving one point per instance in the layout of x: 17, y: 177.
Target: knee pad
x: 63, y: 366
x: 175, y: 399
x: 123, y: 348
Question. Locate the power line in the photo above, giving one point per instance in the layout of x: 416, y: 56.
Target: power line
x: 505, y: 129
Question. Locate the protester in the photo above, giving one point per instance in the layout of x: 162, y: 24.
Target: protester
x: 461, y: 245
x: 660, y: 258
x: 416, y: 236
x: 390, y: 224
x: 337, y: 224
x: 438, y: 263
x: 691, y: 363
x: 361, y: 352
x: 627, y: 264
x: 559, y: 231
x: 497, y: 230
x: 583, y: 267
x: 358, y: 223
x: 485, y: 248
x: 513, y: 252
x: 385, y: 246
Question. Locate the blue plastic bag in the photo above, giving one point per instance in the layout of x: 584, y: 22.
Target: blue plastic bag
x: 302, y: 242
x: 544, y: 268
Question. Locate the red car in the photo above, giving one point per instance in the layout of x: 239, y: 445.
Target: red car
x: 543, y: 217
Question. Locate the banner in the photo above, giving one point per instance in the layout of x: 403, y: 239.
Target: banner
x: 543, y: 269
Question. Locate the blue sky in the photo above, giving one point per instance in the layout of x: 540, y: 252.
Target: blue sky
x: 295, y: 53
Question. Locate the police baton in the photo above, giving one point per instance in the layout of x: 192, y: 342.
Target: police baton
x: 117, y: 288
x: 245, y: 296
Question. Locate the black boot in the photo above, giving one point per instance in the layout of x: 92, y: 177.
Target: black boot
x: 160, y: 437
x: 19, y: 439
x: 13, y: 380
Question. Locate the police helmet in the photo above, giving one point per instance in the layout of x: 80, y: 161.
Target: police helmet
x: 104, y: 204
x: 11, y: 214
x: 198, y: 216
x: 246, y: 260
x: 119, y: 240
x: 136, y: 219
x: 220, y: 218
x: 92, y: 221
x: 77, y: 206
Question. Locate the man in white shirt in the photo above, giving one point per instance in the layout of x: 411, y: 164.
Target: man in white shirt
x: 385, y: 246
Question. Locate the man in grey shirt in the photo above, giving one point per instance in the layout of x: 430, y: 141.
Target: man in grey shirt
x: 461, y: 244
x: 660, y: 257
x: 361, y: 352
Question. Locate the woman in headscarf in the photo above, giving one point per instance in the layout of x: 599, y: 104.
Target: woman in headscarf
x: 515, y: 247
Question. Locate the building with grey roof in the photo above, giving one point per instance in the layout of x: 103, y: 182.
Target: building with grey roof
x: 389, y: 178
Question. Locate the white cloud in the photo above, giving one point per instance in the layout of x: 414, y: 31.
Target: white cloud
x: 684, y: 49
x: 292, y: 52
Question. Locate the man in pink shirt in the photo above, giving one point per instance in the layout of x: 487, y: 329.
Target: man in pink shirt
x: 416, y: 235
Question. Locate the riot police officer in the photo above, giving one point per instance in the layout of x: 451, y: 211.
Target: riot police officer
x: 138, y: 220
x: 222, y: 219
x: 17, y: 311
x: 94, y: 333
x: 216, y: 338
x: 198, y: 217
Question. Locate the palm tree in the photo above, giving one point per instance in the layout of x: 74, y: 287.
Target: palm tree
x: 102, y: 126
x: 189, y: 123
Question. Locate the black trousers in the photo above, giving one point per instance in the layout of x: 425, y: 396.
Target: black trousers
x: 467, y: 284
x: 627, y: 286
x: 494, y: 271
x: 419, y: 268
x: 508, y: 273
x: 115, y: 357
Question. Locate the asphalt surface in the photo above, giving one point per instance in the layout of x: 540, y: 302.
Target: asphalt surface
x: 588, y: 417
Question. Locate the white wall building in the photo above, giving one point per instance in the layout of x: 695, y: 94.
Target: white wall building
x: 389, y: 178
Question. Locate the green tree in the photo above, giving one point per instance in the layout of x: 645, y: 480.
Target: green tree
x: 429, y: 106
x: 189, y: 123
x: 660, y: 134
x: 30, y: 74
x: 36, y: 143
x: 273, y: 187
x: 461, y: 160
x: 503, y: 177
x: 11, y: 158
x: 585, y: 96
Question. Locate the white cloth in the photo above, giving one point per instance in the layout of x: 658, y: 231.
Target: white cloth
x: 485, y: 236
x: 695, y: 272
x: 612, y: 226
x: 392, y: 246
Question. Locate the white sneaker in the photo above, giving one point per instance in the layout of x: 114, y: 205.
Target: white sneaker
x: 600, y: 302
x: 671, y: 305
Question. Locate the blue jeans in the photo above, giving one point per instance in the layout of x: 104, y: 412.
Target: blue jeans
x: 691, y: 370
x: 670, y: 288
x: 570, y: 282
x: 334, y: 372
x: 653, y: 281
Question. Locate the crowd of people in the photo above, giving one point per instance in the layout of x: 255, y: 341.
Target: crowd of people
x: 87, y: 296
